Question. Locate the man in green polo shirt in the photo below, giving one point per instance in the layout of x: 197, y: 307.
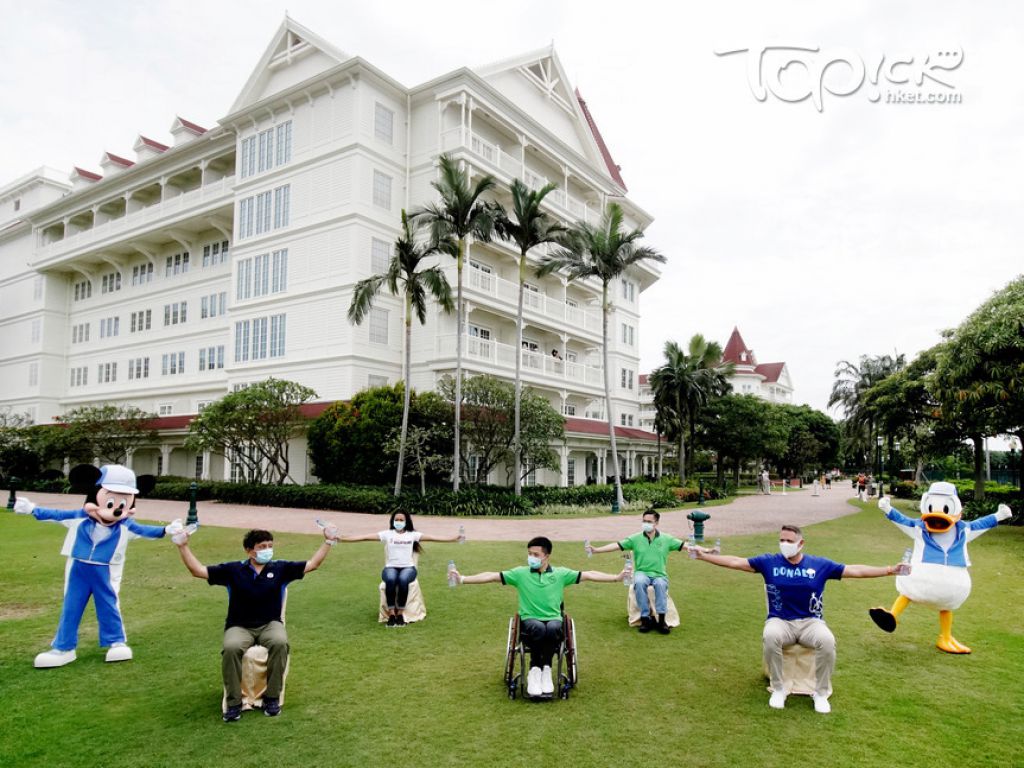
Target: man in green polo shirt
x: 540, y: 588
x: 650, y: 550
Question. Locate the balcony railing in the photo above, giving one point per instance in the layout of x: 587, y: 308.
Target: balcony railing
x: 564, y: 315
x: 535, y: 366
x: 501, y: 160
x: 217, y: 192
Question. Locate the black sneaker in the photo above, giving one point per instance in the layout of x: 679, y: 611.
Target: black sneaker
x: 391, y: 620
x: 271, y: 707
x: 646, y: 625
x: 664, y: 628
x: 399, y: 620
x: 232, y: 714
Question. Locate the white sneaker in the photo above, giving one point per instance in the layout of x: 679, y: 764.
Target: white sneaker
x: 547, y: 685
x: 533, y: 682
x: 777, y: 700
x: 54, y: 658
x: 119, y: 652
x: 821, y: 705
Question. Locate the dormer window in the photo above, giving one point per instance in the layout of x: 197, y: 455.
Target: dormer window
x: 743, y: 357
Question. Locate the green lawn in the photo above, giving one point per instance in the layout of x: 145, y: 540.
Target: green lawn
x: 431, y: 695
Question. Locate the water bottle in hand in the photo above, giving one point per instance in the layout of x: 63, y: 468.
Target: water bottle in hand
x: 692, y: 545
x: 587, y: 548
x: 718, y: 547
x: 453, y: 580
x: 331, y: 528
x: 904, y: 567
x: 627, y: 579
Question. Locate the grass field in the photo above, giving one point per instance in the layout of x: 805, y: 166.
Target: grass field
x: 431, y: 695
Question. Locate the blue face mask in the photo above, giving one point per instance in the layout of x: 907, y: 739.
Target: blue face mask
x: 264, y: 556
x: 533, y: 562
x: 399, y: 525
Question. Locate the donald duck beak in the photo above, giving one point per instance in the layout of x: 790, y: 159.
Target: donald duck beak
x: 938, y: 522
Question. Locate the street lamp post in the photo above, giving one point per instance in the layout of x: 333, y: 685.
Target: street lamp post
x: 895, y: 459
x: 878, y: 464
x: 1014, y: 480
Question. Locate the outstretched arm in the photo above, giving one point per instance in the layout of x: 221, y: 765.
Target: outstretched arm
x: 906, y: 524
x: 191, y: 562
x: 601, y: 576
x: 478, y: 578
x: 364, y: 537
x: 430, y: 537
x: 869, y: 571
x: 318, y: 557
x: 726, y: 561
x: 613, y: 547
x: 977, y: 527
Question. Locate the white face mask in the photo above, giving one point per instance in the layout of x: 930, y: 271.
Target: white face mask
x: 533, y: 562
x: 399, y: 525
x: 264, y: 556
x: 647, y: 527
x: 789, y: 548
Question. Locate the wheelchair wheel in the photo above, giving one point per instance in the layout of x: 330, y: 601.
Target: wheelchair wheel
x: 512, y: 651
x: 570, y: 653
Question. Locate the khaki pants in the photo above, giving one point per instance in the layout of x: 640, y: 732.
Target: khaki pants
x: 811, y: 633
x: 237, y: 640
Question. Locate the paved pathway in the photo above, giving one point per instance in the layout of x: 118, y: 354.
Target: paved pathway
x: 746, y: 514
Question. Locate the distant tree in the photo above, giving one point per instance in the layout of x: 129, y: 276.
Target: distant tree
x: 488, y: 416
x: 107, y: 432
x: 253, y: 426
x: 18, y: 456
x: 742, y: 429
x: 421, y: 448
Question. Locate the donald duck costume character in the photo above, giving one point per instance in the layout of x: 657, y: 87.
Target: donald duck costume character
x: 939, y: 577
x: 98, y: 535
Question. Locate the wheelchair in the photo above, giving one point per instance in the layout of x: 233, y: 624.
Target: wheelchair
x: 516, y: 663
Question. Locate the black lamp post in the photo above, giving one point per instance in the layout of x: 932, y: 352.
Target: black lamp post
x: 878, y: 463
x: 895, y: 461
x: 1013, y: 478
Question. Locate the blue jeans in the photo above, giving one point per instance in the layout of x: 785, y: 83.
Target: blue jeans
x: 396, y: 585
x: 640, y: 584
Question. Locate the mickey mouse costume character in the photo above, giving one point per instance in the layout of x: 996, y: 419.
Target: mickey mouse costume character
x: 939, y: 578
x: 98, y: 535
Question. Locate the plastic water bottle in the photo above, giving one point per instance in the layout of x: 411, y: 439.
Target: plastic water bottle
x: 692, y: 543
x: 904, y: 567
x: 462, y: 534
x: 718, y: 546
x: 628, y: 568
x: 452, y: 579
x: 331, y: 528
x: 586, y: 548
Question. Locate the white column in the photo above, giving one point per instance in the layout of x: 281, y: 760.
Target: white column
x: 165, y: 453
x: 206, y: 465
x: 564, y: 450
x: 129, y: 458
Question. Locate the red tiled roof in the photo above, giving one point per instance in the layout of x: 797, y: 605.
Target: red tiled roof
x: 770, y: 371
x: 592, y: 427
x: 306, y: 410
x: 154, y: 144
x: 613, y: 169
x: 198, y: 129
x: 643, y: 378
x: 89, y: 175
x: 735, y: 347
x: 119, y: 160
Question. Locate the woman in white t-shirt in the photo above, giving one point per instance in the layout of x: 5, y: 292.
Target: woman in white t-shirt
x: 401, y: 547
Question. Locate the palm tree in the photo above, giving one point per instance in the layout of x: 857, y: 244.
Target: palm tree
x: 404, y: 277
x: 684, y: 384
x: 459, y: 215
x: 604, y: 252
x: 528, y: 228
x: 852, y: 382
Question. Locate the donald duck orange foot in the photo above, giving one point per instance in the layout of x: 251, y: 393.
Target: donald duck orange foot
x: 946, y: 641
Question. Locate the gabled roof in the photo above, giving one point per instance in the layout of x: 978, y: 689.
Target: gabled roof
x: 591, y: 427
x: 737, y: 352
x: 770, y: 371
x: 613, y: 169
x: 181, y: 122
x: 84, y: 174
x: 117, y: 159
x: 154, y: 145
x: 291, y: 42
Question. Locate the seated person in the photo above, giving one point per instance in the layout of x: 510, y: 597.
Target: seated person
x: 256, y: 588
x: 650, y: 550
x: 540, y: 588
x: 401, y: 546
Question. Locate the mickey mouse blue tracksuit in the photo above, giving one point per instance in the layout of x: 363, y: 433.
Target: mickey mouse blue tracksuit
x: 95, y: 561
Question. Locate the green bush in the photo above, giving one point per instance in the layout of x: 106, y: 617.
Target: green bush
x: 907, y: 489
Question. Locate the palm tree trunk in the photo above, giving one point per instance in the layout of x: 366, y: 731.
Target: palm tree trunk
x: 979, y: 467
x: 457, y: 464
x: 406, y: 395
x: 516, y: 447
x: 659, y: 454
x: 617, y: 507
x: 682, y: 442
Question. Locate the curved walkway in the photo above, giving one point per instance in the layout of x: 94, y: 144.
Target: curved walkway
x: 745, y: 515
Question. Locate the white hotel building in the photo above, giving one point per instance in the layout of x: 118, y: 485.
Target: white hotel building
x: 229, y: 255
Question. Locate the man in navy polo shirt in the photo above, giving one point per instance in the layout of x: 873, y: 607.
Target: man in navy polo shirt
x: 794, y: 588
x: 256, y: 589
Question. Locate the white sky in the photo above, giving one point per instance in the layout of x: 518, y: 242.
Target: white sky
x: 865, y: 228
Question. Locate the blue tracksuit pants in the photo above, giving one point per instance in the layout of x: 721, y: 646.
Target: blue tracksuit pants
x: 85, y: 580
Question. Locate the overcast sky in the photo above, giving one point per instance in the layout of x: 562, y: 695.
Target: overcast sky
x: 863, y: 228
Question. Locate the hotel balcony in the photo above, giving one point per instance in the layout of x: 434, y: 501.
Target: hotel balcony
x: 538, y: 369
x: 136, y: 223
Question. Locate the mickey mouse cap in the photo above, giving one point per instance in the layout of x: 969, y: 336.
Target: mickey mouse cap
x: 118, y: 479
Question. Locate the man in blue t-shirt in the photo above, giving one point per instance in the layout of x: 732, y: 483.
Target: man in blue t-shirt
x: 794, y: 585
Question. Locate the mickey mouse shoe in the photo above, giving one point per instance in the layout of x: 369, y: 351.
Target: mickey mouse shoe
x: 119, y: 652
x: 54, y: 658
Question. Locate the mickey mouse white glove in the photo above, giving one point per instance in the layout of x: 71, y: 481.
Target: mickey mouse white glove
x: 884, y: 505
x: 1003, y: 513
x: 176, y: 530
x: 23, y: 506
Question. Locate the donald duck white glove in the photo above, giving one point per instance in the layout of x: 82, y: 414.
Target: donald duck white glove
x: 23, y: 506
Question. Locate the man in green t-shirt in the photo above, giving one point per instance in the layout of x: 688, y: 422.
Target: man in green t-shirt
x: 650, y: 550
x: 540, y: 588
